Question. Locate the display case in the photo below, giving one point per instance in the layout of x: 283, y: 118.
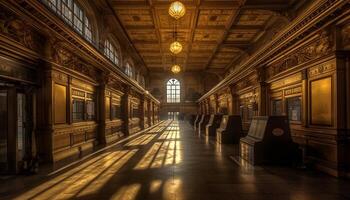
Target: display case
x: 214, y: 123
x: 268, y: 141
x: 230, y: 130
x: 202, y: 124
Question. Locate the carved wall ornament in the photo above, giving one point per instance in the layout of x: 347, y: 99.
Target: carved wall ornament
x: 66, y: 58
x: 322, y: 46
x: 322, y: 68
x: 17, y: 70
x: 346, y: 36
x: 18, y: 30
x: 287, y: 81
x: 60, y: 55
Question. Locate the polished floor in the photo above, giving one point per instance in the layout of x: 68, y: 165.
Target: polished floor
x: 172, y: 162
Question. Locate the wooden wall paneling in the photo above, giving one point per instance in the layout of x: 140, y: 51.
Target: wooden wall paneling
x: 126, y: 110
x: 142, y: 111
x: 102, y: 107
x: 322, y: 81
x: 235, y: 100
x: 305, y: 99
x: 134, y: 116
x: 149, y: 108
x: 261, y: 104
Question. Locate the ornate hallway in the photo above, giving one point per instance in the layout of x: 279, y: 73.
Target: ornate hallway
x: 170, y: 161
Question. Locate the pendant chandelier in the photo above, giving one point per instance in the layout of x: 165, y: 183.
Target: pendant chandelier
x: 175, y: 47
x: 176, y: 69
x: 177, y: 10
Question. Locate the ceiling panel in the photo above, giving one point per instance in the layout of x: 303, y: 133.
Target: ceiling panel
x: 241, y: 35
x: 215, y: 17
x: 135, y: 17
x: 254, y: 17
x: 213, y: 32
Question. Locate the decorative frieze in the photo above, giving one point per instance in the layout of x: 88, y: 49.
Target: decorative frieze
x: 322, y: 46
x: 291, y: 91
x: 64, y: 57
x: 78, y: 93
x: 277, y: 94
x: 13, y: 27
x: 287, y: 81
x: 16, y: 70
x: 322, y: 68
x: 59, y: 77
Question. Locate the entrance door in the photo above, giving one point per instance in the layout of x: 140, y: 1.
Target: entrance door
x: 173, y: 115
x: 3, y: 131
x: 12, y: 130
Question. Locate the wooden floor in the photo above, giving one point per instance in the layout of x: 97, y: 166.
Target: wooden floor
x: 172, y: 162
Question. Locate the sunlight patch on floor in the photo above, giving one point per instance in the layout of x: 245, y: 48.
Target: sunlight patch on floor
x: 128, y: 192
x: 78, y: 179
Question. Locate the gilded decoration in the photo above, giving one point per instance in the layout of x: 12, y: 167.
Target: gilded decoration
x: 322, y: 46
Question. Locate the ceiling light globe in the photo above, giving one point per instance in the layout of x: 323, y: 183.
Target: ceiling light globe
x: 176, y: 47
x: 175, y: 69
x: 177, y: 10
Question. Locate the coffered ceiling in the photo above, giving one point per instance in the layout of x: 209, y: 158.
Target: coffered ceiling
x: 214, y: 33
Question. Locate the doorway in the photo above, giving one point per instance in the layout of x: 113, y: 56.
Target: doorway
x: 173, y: 115
x: 14, y: 112
x: 3, y: 131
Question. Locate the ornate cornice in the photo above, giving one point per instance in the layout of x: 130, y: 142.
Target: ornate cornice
x: 321, y: 13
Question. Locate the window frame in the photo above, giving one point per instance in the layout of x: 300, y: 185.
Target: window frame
x: 80, y: 112
x: 111, y: 52
x: 129, y: 70
x: 173, y: 91
x: 72, y: 13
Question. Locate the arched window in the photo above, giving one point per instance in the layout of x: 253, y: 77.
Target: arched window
x: 173, y: 91
x: 111, y: 52
x: 73, y: 15
x: 128, y: 70
x: 142, y: 81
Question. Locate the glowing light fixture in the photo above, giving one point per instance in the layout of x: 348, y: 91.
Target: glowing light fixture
x: 176, y: 69
x: 176, y: 47
x: 177, y: 10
